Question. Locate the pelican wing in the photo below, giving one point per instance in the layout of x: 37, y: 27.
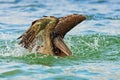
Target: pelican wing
x: 65, y: 24
x: 37, y: 25
x: 29, y: 35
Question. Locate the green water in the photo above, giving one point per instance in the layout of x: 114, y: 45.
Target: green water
x: 94, y: 47
x: 85, y: 47
x: 96, y: 56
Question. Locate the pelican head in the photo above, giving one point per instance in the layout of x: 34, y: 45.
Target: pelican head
x: 46, y: 35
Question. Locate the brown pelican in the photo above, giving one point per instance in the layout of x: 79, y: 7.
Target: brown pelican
x: 46, y: 35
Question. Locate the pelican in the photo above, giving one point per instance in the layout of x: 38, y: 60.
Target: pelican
x: 46, y: 35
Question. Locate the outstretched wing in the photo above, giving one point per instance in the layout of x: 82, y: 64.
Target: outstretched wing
x: 30, y: 34
x: 66, y: 23
x: 37, y: 25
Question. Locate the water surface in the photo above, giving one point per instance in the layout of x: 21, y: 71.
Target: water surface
x: 95, y: 42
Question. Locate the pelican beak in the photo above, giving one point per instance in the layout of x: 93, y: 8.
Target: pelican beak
x: 60, y: 44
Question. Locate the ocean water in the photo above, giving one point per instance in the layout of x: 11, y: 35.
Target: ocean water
x: 95, y: 42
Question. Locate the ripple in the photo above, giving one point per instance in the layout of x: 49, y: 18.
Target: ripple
x: 9, y: 2
x: 63, y: 77
x: 11, y: 73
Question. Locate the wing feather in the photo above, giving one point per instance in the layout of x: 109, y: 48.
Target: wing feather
x: 37, y: 25
x: 65, y: 24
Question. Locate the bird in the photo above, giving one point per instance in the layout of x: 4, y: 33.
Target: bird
x: 46, y: 35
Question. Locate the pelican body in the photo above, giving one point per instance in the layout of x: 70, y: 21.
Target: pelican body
x: 46, y: 35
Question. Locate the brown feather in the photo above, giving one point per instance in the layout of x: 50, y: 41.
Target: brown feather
x: 65, y: 24
x: 60, y: 44
x: 36, y: 26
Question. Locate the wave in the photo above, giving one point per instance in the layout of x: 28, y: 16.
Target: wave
x: 88, y: 47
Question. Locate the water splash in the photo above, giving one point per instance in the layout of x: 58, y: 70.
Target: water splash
x: 9, y: 46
